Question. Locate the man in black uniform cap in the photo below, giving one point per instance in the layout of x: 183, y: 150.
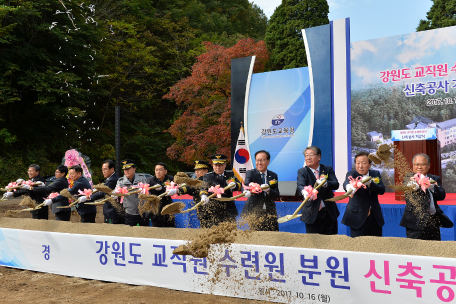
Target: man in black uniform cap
x: 34, y: 174
x: 162, y: 178
x: 213, y: 211
x: 111, y: 216
x: 201, y: 168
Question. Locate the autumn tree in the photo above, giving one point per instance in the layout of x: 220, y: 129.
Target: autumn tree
x: 283, y: 35
x: 441, y: 14
x: 204, y: 101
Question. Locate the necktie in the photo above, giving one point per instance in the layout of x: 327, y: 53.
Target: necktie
x: 322, y: 205
x: 264, y: 193
x: 432, y: 206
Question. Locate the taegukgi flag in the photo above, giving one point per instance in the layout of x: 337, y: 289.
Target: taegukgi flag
x: 242, y: 159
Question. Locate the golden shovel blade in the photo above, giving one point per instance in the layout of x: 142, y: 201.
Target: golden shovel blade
x: 287, y: 218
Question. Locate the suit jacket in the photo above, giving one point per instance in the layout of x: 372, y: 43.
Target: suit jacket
x: 36, y: 196
x: 159, y: 219
x: 416, y: 213
x: 216, y: 211
x: 256, y: 202
x: 307, y: 178
x: 109, y: 211
x: 81, y: 184
x: 57, y: 185
x: 364, y: 199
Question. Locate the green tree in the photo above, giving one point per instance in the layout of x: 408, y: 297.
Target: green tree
x: 441, y: 14
x: 283, y: 35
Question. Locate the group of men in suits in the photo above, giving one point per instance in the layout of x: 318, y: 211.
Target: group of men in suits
x: 422, y: 215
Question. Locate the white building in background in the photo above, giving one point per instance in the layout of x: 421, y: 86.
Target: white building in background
x: 374, y: 136
x: 446, y: 132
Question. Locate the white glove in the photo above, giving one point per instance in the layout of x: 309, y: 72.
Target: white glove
x: 350, y: 187
x: 304, y: 194
x: 82, y: 199
x: 47, y: 202
x: 26, y: 187
x: 368, y: 182
x: 19, y: 180
x: 247, y: 194
x: 232, y: 185
x: 413, y: 184
x: 8, y: 194
x: 431, y: 187
x: 159, y: 188
x: 172, y: 192
x: 319, y: 181
x: 204, y: 199
x: 39, y: 184
x: 267, y: 189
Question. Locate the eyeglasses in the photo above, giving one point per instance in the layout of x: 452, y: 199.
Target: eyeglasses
x: 309, y: 155
x: 420, y: 164
x: 261, y: 160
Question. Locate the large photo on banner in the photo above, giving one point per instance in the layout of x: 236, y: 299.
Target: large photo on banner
x: 406, y: 82
x: 279, y: 118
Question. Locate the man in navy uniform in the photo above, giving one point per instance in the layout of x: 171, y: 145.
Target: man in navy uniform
x: 213, y: 211
x: 201, y: 168
x: 363, y: 214
x: 262, y: 206
x: 161, y: 178
x: 34, y: 175
x: 318, y: 215
x: 130, y: 203
x: 111, y: 215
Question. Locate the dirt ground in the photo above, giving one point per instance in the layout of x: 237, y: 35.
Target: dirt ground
x: 36, y: 287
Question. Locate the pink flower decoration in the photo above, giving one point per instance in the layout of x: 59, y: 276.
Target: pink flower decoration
x: 12, y: 184
x: 423, y: 181
x: 356, y: 183
x: 311, y: 192
x: 52, y: 195
x: 29, y: 182
x: 122, y: 190
x: 172, y: 185
x: 144, y: 188
x: 217, y: 190
x: 253, y: 187
x: 86, y: 192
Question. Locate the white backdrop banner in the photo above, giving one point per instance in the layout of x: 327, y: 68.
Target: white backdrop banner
x: 278, y: 274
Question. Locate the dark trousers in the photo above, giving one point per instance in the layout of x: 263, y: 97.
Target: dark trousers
x: 370, y: 227
x: 430, y: 232
x: 135, y: 220
x: 88, y: 218
x: 41, y: 214
x: 63, y: 216
x: 323, y: 224
x: 117, y: 220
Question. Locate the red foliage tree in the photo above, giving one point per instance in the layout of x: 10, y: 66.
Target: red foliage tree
x: 204, y: 97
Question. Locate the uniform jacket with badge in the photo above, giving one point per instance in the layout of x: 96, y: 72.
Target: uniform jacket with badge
x: 418, y: 204
x: 216, y: 208
x: 364, y: 200
x: 193, y: 191
x: 56, y: 186
x: 261, y: 202
x: 108, y: 210
x: 306, y: 177
x: 130, y: 202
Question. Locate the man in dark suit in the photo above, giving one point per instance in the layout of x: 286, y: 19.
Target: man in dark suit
x: 423, y: 217
x: 162, y: 178
x: 363, y: 214
x: 57, y: 185
x: 213, y: 211
x: 318, y: 215
x: 34, y: 175
x: 260, y: 209
x: 111, y: 215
